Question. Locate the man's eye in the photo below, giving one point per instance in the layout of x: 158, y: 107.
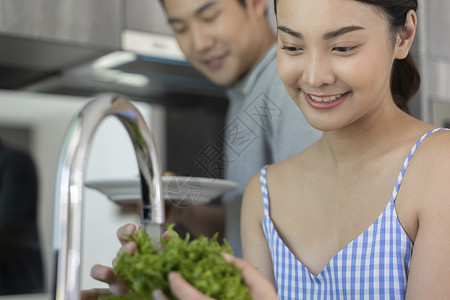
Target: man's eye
x: 179, y: 30
x: 210, y: 18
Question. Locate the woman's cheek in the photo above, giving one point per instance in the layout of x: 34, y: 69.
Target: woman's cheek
x: 288, y: 70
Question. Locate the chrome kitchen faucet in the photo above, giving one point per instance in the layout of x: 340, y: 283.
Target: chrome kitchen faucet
x: 71, y: 176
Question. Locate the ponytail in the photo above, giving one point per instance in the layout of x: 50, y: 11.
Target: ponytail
x: 405, y: 81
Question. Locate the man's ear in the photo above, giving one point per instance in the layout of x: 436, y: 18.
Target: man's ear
x: 257, y: 6
x: 405, y: 37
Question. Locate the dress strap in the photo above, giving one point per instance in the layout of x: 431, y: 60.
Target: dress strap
x: 406, y: 162
x: 263, y: 181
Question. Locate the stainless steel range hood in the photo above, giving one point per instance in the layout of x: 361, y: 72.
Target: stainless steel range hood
x: 57, y: 68
x: 24, y: 60
x: 137, y: 60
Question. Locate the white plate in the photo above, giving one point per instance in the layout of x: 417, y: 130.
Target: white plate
x: 183, y: 190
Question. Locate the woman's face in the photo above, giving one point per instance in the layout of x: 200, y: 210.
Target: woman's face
x: 335, y: 59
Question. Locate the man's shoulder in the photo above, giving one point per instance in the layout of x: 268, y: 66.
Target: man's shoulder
x: 269, y: 82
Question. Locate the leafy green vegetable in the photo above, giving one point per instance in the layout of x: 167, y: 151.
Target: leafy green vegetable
x: 198, y: 261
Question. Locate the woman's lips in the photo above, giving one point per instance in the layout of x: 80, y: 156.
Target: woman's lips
x: 326, y: 98
x: 325, y: 102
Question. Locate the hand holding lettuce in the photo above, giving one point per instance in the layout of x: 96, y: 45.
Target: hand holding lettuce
x: 198, y: 261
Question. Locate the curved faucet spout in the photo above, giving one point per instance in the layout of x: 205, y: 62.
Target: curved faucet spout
x: 71, y: 176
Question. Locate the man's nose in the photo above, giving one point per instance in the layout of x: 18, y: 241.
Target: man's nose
x: 201, y: 37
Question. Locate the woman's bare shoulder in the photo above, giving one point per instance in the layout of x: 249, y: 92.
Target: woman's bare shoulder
x: 274, y: 173
x: 436, y: 152
x: 434, y: 149
x: 431, y: 164
x: 432, y: 187
x: 291, y: 165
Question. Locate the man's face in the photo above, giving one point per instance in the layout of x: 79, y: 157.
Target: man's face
x: 218, y: 37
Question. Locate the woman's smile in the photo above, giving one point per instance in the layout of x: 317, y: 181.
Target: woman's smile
x: 325, y: 102
x: 326, y: 98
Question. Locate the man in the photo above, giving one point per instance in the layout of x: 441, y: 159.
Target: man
x: 232, y: 43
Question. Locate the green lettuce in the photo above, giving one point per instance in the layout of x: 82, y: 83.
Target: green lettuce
x: 198, y: 261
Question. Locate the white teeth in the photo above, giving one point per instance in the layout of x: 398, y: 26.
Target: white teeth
x: 326, y: 99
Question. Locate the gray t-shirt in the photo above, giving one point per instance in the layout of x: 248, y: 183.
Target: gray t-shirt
x: 263, y: 126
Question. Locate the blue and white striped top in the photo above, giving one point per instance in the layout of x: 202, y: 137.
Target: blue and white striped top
x: 375, y: 265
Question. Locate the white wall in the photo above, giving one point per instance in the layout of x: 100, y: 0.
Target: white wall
x: 434, y: 40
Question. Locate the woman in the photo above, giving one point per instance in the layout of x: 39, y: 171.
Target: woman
x: 337, y: 220
x: 341, y: 219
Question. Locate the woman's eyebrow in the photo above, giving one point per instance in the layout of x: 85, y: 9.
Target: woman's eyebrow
x: 341, y: 31
x: 289, y: 31
x: 327, y: 36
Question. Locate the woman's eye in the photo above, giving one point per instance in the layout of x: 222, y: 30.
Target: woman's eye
x: 291, y: 49
x: 345, y: 50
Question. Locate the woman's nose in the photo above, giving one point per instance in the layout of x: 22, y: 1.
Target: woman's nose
x: 318, y: 71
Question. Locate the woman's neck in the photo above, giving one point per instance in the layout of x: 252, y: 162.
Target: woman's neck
x: 366, y: 139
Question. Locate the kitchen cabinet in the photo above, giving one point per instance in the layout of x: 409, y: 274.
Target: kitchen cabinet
x: 146, y: 15
x: 42, y: 38
x: 97, y: 23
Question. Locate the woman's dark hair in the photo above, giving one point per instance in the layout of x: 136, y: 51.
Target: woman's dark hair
x: 242, y: 2
x: 405, y: 77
